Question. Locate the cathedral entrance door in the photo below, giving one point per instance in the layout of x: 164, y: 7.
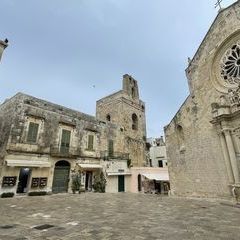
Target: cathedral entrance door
x: 61, y: 177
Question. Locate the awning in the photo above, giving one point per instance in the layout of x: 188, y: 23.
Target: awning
x: 157, y: 176
x: 90, y: 166
x: 118, y: 173
x: 27, y: 163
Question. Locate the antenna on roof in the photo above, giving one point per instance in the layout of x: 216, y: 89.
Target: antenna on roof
x: 218, y: 4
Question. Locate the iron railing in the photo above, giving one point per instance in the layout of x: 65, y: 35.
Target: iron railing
x: 106, y: 155
x: 57, y: 151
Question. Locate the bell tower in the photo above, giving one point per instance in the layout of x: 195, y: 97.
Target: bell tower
x: 130, y: 87
x: 127, y: 111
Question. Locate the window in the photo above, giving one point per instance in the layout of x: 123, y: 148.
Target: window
x: 110, y: 148
x: 134, y: 122
x: 230, y: 67
x: 32, y: 132
x: 65, y: 141
x: 90, y: 142
x: 180, y: 133
x: 160, y: 163
x: 133, y: 92
x: 108, y: 117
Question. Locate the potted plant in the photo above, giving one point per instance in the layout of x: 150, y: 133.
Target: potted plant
x: 76, y: 182
x: 100, y: 183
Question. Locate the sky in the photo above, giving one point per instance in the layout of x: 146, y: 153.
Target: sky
x: 74, y: 52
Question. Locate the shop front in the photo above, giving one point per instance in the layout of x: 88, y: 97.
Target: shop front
x: 88, y: 172
x: 21, y: 176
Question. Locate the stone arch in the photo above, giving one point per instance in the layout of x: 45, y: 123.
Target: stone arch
x: 62, y: 163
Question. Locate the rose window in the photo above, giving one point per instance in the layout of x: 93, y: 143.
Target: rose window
x: 230, y: 67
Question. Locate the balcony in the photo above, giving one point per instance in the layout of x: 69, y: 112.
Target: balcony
x: 106, y: 155
x: 67, y: 152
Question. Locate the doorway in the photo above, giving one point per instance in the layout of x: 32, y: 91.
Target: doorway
x: 139, y: 182
x: 61, y: 177
x: 23, y: 180
x: 88, y: 181
x: 121, y: 183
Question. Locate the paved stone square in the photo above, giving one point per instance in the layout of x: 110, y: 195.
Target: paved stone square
x: 116, y: 216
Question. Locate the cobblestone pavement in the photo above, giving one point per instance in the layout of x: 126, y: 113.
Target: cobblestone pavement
x: 116, y: 216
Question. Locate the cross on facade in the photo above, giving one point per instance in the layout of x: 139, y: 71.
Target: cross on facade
x: 218, y: 4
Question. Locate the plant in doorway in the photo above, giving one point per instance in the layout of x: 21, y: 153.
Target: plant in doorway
x: 76, y: 182
x: 100, y: 183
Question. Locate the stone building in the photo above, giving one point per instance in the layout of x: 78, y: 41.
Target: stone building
x: 203, y: 141
x: 153, y: 177
x: 125, y: 109
x: 42, y: 144
x: 157, y: 152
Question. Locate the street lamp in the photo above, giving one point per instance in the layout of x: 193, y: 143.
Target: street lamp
x: 3, y: 45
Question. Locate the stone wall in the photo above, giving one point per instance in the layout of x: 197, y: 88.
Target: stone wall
x: 15, y: 116
x: 119, y: 109
x: 195, y: 156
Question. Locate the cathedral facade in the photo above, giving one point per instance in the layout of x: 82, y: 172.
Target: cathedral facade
x: 203, y: 138
x: 42, y: 144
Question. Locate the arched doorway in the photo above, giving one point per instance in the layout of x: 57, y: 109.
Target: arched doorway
x: 61, y: 177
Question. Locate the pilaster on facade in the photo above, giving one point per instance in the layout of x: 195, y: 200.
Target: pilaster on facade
x: 226, y: 155
x: 232, y: 155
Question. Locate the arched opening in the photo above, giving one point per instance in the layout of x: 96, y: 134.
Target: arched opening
x: 108, y: 117
x: 180, y: 132
x: 139, y: 183
x: 133, y: 92
x: 62, y: 163
x: 61, y: 177
x: 134, y: 122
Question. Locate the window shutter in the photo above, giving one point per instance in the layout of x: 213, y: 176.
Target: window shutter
x: 90, y: 142
x: 110, y: 148
x: 32, y: 132
x: 65, y: 141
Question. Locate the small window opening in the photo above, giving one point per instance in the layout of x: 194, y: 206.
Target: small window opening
x: 160, y: 163
x: 108, y: 117
x: 134, y: 122
x: 133, y: 92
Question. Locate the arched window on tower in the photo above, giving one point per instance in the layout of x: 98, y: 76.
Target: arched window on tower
x: 133, y: 92
x: 108, y: 117
x: 134, y: 122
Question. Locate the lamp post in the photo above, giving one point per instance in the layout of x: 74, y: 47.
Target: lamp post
x: 3, y: 45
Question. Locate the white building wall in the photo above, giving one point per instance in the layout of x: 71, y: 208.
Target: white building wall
x: 158, y: 153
